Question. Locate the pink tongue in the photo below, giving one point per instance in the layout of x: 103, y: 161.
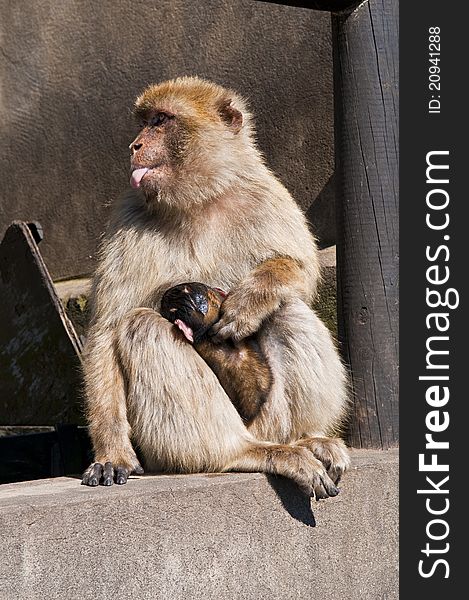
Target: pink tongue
x: 137, y: 177
x: 187, y: 331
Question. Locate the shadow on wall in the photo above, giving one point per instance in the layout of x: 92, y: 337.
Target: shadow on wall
x: 321, y: 215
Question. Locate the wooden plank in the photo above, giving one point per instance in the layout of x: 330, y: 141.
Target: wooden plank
x: 30, y: 456
x: 334, y: 6
x: 366, y: 124
x: 39, y: 349
x: 63, y: 451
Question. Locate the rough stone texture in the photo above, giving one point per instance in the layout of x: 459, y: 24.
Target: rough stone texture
x: 70, y: 72
x: 73, y: 288
x: 326, y: 301
x: 74, y: 294
x: 199, y: 536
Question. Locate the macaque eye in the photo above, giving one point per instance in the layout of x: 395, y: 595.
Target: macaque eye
x: 158, y: 119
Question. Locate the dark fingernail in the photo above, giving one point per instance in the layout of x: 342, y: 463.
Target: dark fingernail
x: 121, y: 475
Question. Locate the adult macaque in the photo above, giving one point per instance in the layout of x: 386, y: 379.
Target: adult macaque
x: 241, y: 367
x: 206, y: 208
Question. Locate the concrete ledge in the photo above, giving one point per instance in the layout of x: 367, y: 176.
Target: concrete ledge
x: 203, y: 536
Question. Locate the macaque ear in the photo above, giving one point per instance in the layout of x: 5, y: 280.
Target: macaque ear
x: 230, y: 115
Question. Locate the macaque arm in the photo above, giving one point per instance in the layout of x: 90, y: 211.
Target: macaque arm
x: 106, y: 410
x: 256, y: 297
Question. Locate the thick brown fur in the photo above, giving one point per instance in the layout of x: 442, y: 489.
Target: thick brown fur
x: 241, y: 367
x: 208, y: 209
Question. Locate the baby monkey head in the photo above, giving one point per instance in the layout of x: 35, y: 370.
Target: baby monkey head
x: 193, y: 308
x: 192, y: 141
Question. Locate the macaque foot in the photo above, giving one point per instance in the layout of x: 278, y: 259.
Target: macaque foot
x: 319, y: 486
x: 290, y: 461
x: 108, y: 473
x: 332, y: 453
x: 314, y: 480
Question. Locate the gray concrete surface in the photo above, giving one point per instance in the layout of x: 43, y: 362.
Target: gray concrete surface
x: 70, y: 72
x: 230, y: 536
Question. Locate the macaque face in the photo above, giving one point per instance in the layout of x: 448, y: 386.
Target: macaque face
x: 188, y: 128
x: 157, y: 150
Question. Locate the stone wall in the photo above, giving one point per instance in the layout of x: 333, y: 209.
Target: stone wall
x: 70, y: 72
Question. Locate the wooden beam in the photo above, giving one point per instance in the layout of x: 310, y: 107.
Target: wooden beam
x: 366, y: 128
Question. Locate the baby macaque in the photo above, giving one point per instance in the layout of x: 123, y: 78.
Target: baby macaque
x: 241, y: 367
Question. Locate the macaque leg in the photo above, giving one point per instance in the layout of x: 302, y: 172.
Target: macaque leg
x: 291, y: 461
x: 308, y: 401
x: 183, y: 420
x: 331, y: 451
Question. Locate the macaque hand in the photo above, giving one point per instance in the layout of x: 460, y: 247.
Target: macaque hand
x: 107, y: 473
x: 238, y: 319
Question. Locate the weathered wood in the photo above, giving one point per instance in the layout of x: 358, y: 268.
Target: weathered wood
x: 30, y: 456
x: 63, y: 451
x: 366, y: 123
x: 39, y: 349
x: 75, y: 448
x: 334, y: 6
